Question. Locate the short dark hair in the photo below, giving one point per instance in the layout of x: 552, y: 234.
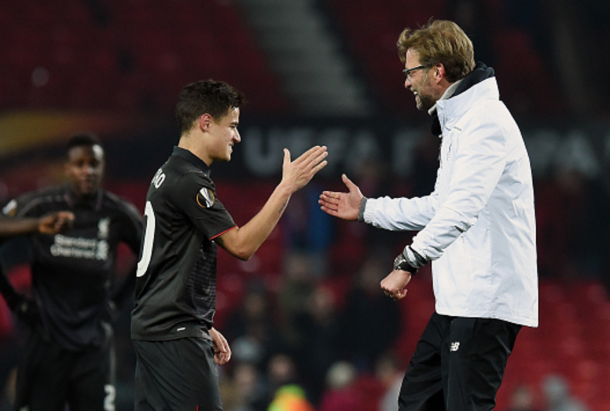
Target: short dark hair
x: 83, y: 139
x: 213, y: 97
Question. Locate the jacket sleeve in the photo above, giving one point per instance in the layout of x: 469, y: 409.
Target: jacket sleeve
x: 400, y: 214
x: 480, y: 159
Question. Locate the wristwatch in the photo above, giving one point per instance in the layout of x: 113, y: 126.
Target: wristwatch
x: 401, y: 263
x: 409, y: 260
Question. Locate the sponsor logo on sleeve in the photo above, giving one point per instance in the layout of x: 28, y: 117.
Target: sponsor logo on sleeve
x: 205, y: 198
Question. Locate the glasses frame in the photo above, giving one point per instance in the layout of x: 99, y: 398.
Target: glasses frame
x: 407, y: 72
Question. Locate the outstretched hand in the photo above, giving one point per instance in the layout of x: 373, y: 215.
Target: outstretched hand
x: 56, y: 222
x: 342, y: 205
x: 296, y: 174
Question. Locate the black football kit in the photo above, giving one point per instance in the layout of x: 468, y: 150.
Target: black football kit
x: 69, y: 354
x: 176, y: 288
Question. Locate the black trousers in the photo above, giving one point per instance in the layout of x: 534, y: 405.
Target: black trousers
x: 458, y: 364
x: 51, y: 377
x: 176, y: 375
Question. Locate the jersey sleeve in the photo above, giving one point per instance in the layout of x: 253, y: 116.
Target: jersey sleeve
x: 11, y: 296
x: 22, y: 206
x: 196, y: 197
x: 131, y: 229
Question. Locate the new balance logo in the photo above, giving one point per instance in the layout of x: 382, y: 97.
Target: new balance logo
x: 454, y: 346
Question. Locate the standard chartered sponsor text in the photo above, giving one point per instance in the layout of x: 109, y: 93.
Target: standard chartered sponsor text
x: 79, y: 247
x: 80, y: 242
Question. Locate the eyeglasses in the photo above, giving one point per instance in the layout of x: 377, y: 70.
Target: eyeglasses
x: 407, y: 72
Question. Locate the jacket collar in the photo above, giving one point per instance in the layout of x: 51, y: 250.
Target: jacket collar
x: 481, y: 72
x: 460, y: 96
x: 446, y: 95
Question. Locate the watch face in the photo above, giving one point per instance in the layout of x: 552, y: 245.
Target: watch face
x: 401, y: 263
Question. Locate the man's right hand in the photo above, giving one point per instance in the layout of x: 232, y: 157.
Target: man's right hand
x: 342, y: 205
x: 56, y: 222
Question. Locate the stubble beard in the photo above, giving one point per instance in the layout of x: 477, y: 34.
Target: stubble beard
x: 423, y: 103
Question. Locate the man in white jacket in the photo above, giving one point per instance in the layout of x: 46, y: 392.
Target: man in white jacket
x: 477, y: 227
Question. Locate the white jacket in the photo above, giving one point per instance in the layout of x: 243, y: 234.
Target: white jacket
x: 478, y: 225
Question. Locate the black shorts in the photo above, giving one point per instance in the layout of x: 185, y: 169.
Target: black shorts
x: 176, y: 375
x: 458, y: 364
x: 50, y: 377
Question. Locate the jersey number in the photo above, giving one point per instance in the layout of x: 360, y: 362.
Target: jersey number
x: 149, y: 236
x: 110, y: 397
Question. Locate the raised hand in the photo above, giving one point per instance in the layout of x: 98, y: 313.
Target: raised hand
x: 342, y: 205
x: 296, y: 174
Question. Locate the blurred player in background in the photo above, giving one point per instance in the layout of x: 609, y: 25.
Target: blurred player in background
x: 173, y: 332
x: 477, y: 227
x: 74, y: 231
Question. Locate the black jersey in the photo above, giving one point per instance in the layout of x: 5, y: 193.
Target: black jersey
x: 73, y: 272
x: 176, y: 279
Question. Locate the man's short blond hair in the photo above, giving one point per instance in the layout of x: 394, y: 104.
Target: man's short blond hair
x: 440, y: 41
